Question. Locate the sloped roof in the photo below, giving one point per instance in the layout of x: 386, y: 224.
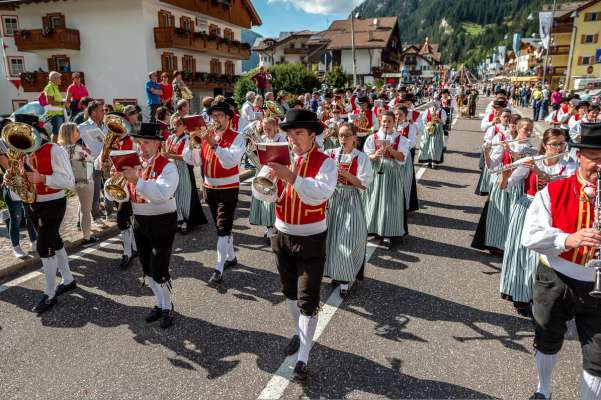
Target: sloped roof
x: 283, y: 38
x: 369, y: 33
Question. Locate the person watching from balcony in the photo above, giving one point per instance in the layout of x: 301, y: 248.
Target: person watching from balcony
x: 261, y: 80
x: 55, y: 110
x: 75, y: 92
x: 180, y: 89
x: 153, y: 94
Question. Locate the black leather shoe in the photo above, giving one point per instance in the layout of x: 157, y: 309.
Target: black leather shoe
x: 387, y: 243
x: 166, y: 318
x: 62, y: 288
x: 154, y: 314
x: 216, y: 278
x: 293, y: 346
x: 301, y: 372
x: 344, y: 293
x: 230, y: 263
x: 540, y: 396
x: 44, y: 304
x: 125, y: 261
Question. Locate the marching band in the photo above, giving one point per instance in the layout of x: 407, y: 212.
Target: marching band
x: 349, y: 175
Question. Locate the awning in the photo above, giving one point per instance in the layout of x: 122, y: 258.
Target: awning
x: 524, y: 78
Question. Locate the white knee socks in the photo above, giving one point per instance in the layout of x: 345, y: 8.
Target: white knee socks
x: 222, y: 250
x: 446, y: 141
x: 231, y: 254
x: 545, y: 363
x: 50, y: 266
x: 63, y: 266
x: 294, y: 313
x: 128, y: 239
x: 165, y: 295
x: 269, y: 232
x: 590, y: 387
x: 307, y: 326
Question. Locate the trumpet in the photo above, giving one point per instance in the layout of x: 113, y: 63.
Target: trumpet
x: 596, y: 262
x: 198, y: 136
x: 522, y: 161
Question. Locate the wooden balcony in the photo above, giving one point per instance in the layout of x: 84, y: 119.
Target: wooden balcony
x: 54, y: 39
x: 170, y: 37
x: 37, y: 81
x: 559, y: 50
x: 290, y: 50
x: 204, y: 80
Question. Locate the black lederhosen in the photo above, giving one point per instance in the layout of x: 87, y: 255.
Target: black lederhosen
x: 300, y: 261
x: 154, y: 236
x: 447, y: 124
x: 124, y: 213
x: 556, y: 300
x: 46, y: 217
x: 222, y: 203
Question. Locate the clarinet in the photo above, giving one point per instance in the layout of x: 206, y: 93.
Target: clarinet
x: 596, y: 262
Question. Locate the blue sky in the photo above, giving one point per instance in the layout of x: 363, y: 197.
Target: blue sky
x: 297, y: 15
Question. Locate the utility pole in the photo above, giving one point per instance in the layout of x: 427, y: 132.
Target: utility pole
x: 549, y: 46
x: 566, y: 84
x: 353, y: 49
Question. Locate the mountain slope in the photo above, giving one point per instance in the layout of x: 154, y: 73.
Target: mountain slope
x: 250, y: 37
x: 465, y: 29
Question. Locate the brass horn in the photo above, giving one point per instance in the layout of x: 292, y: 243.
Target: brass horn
x: 21, y: 139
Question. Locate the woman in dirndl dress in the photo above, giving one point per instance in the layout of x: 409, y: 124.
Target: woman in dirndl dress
x: 189, y: 210
x: 519, y: 262
x: 409, y: 131
x: 347, y: 229
x: 507, y: 127
x: 495, y: 217
x: 385, y: 211
x: 261, y: 212
x: 432, y: 138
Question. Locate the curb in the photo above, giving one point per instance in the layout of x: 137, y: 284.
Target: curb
x: 32, y: 263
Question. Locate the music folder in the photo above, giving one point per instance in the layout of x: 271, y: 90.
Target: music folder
x: 193, y: 122
x: 124, y: 158
x: 273, y: 152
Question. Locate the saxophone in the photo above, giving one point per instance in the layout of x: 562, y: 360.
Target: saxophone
x: 21, y: 139
x: 117, y: 129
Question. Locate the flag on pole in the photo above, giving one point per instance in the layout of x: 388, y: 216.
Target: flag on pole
x: 545, y: 23
x: 16, y: 82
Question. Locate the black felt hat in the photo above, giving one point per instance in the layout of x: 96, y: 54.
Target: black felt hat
x: 148, y: 131
x: 363, y: 100
x: 221, y: 106
x: 590, y: 136
x: 301, y: 118
x: 500, y: 103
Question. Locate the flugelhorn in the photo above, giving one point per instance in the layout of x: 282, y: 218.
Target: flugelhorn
x: 21, y: 139
x: 197, y: 136
x: 117, y: 128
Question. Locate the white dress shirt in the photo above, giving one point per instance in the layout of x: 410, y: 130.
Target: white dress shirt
x: 559, y: 117
x: 92, y: 137
x: 522, y: 172
x: 228, y: 156
x: 247, y: 115
x: 403, y: 147
x: 158, y: 193
x: 412, y: 138
x: 491, y: 132
x: 62, y: 175
x: 312, y: 191
x: 443, y: 115
x: 419, y: 123
x: 538, y: 235
x: 364, y: 170
x: 496, y: 154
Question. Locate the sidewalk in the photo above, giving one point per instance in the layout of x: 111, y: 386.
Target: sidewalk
x: 72, y: 237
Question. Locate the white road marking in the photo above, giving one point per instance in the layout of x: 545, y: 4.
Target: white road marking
x: 76, y: 256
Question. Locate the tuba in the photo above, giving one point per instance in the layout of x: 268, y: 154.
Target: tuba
x: 273, y: 110
x: 21, y: 139
x: 117, y: 129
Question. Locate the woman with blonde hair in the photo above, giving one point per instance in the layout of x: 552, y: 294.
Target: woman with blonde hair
x: 82, y: 166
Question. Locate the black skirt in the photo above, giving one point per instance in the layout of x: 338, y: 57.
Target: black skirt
x: 197, y: 216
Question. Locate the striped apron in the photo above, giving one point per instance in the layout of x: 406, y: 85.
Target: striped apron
x: 183, y: 194
x: 519, y: 262
x: 347, y: 234
x: 261, y: 212
x: 499, y: 210
x: 432, y: 146
x: 385, y: 200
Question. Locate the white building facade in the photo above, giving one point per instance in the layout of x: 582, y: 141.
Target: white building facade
x: 116, y: 43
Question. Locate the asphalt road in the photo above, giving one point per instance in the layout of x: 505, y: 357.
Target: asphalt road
x: 427, y: 322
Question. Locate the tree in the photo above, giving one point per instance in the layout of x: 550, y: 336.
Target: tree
x: 293, y: 78
x: 336, y: 78
x: 243, y: 85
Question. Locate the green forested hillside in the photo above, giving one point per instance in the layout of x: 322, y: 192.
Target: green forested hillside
x: 465, y: 29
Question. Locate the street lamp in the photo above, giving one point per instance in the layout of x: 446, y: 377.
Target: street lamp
x: 353, y: 48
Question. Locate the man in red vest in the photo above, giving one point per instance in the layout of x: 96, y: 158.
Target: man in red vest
x: 299, y: 244
x: 151, y: 190
x: 49, y: 170
x: 219, y: 158
x: 560, y: 225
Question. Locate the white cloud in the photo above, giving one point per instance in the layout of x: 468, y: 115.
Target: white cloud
x: 322, y: 6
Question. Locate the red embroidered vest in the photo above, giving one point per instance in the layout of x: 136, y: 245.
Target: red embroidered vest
x: 151, y: 172
x: 368, y: 115
x: 351, y: 167
x: 571, y: 210
x: 414, y: 116
x: 211, y: 165
x: 42, y: 162
x: 290, y: 208
x: 405, y: 131
x: 532, y: 184
x: 175, y: 147
x: 234, y: 122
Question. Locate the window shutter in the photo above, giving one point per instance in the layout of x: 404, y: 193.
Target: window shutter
x: 596, y: 38
x: 171, y: 20
x: 160, y: 14
x: 194, y: 65
x: 191, y: 26
x: 164, y: 63
x: 580, y: 60
x: 52, y: 64
x: 174, y: 63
